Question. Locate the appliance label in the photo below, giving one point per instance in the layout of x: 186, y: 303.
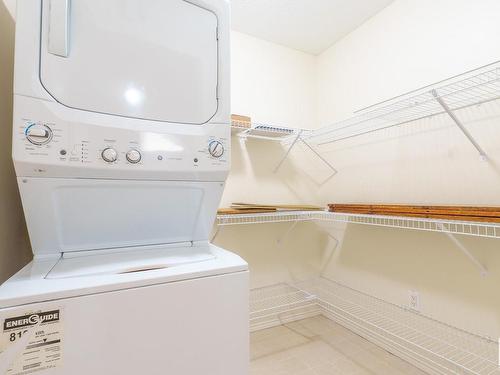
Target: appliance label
x: 31, y: 342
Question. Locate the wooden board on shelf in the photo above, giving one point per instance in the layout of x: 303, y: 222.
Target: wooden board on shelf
x: 252, y: 208
x: 461, y: 213
x: 240, y: 121
x: 286, y: 207
x: 231, y: 211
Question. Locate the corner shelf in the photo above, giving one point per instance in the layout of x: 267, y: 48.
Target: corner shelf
x: 266, y: 132
x: 287, y: 136
x: 466, y: 90
x: 469, y: 228
x: 418, y: 338
x: 278, y: 304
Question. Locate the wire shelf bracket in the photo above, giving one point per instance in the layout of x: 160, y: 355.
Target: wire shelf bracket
x: 282, y: 239
x: 302, y: 140
x: 455, y: 119
x: 482, y: 268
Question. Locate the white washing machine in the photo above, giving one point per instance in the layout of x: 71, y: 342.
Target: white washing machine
x: 121, y: 145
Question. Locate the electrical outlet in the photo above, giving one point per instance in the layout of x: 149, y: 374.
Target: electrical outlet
x: 414, y: 300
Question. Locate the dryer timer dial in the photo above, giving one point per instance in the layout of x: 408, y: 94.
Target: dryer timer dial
x: 216, y: 149
x: 38, y: 134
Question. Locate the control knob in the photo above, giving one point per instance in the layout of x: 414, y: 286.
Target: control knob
x: 38, y: 134
x: 109, y: 155
x: 133, y: 156
x: 216, y: 149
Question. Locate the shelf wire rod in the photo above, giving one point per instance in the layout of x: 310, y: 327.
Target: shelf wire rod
x: 282, y: 239
x: 335, y: 171
x: 332, y: 285
x: 459, y: 124
x: 383, y: 116
x: 352, y: 320
x: 490, y: 76
x: 387, y: 342
x: 373, y: 130
x: 409, y: 115
x: 218, y: 229
x: 328, y: 259
x: 467, y: 253
x: 467, y: 89
x: 289, y: 295
x: 292, y: 145
x: 349, y: 307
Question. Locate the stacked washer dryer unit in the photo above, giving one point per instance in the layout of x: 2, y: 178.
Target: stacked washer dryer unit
x: 121, y: 145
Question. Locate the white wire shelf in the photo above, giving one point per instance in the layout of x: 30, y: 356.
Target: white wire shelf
x: 477, y: 229
x: 416, y: 337
x: 469, y: 89
x: 267, y: 132
x: 278, y: 304
x: 426, y: 340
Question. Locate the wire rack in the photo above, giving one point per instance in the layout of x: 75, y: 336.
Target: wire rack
x: 447, y: 349
x: 469, y: 89
x: 267, y: 217
x: 268, y: 132
x: 477, y: 229
x: 279, y: 304
x: 420, y: 339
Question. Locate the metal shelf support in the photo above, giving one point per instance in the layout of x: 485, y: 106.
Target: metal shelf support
x: 466, y: 252
x: 287, y: 152
x: 287, y: 233
x: 218, y: 230
x: 457, y: 122
x: 292, y: 145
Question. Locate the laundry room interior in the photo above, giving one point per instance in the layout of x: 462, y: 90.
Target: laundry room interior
x: 363, y: 192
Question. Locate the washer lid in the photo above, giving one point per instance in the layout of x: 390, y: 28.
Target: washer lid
x: 131, y: 261
x: 122, y: 57
x: 31, y: 285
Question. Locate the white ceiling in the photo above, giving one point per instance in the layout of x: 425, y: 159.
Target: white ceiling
x: 306, y: 25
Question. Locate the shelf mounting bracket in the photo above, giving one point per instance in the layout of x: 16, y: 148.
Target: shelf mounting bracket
x: 465, y: 251
x: 457, y: 122
x: 328, y: 259
x: 287, y: 233
x: 297, y: 139
x: 292, y: 145
x: 218, y: 230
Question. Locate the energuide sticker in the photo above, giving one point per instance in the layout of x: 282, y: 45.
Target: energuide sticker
x: 31, y: 342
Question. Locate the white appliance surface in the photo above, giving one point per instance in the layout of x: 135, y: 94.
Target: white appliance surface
x: 101, y: 178
x: 189, y: 318
x: 128, y: 58
x: 121, y: 145
x: 82, y: 214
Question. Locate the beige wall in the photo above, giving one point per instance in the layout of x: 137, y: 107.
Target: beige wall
x: 14, y: 245
x: 406, y: 46
x: 274, y: 85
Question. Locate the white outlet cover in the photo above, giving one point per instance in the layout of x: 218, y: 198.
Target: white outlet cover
x: 414, y: 300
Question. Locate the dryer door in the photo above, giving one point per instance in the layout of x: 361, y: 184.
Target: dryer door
x: 153, y: 59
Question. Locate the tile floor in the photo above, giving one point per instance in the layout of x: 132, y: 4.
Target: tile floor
x: 318, y: 346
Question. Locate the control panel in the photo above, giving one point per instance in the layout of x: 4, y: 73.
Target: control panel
x: 47, y: 144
